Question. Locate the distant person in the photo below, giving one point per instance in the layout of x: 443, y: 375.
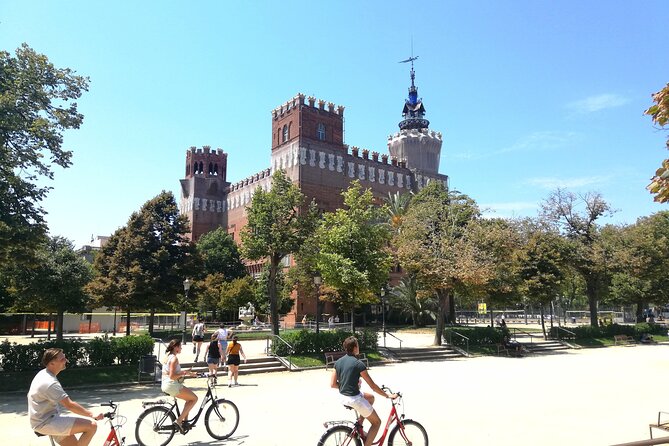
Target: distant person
x: 45, y: 398
x: 198, y: 337
x: 304, y: 321
x: 213, y: 356
x: 256, y: 321
x: 502, y: 324
x: 336, y: 319
x: 331, y: 322
x: 234, y: 350
x: 646, y: 339
x: 512, y: 345
x: 222, y: 336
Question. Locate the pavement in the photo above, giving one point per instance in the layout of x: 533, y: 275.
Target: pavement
x: 582, y: 397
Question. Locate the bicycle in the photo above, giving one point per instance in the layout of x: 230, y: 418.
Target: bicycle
x: 112, y: 438
x: 156, y: 426
x: 349, y: 433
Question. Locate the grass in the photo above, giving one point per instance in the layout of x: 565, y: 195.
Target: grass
x: 84, y: 376
x: 608, y: 341
x: 318, y: 359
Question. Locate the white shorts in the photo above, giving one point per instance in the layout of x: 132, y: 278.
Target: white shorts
x: 58, y: 427
x: 172, y: 388
x: 359, y: 403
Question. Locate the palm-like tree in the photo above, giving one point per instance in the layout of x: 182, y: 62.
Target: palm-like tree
x: 397, y: 205
x: 408, y: 301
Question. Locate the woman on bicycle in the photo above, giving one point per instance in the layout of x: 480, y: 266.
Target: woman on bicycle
x: 234, y: 350
x: 173, y: 378
x: 346, y: 377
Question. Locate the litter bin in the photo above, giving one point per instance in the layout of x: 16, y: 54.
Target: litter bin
x: 147, y: 364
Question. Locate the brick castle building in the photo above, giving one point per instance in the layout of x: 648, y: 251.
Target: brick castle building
x: 308, y: 143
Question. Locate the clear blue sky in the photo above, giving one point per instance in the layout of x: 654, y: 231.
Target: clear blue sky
x: 529, y: 95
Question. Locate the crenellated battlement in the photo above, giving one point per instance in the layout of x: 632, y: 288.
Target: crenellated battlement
x: 265, y: 173
x: 416, y: 132
x: 299, y: 99
x: 205, y: 161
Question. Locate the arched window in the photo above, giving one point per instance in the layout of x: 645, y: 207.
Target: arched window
x: 194, y: 168
x: 215, y: 169
x: 201, y: 170
x: 285, y: 133
x: 211, y: 169
x: 320, y: 131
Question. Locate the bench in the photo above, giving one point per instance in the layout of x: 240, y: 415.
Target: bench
x: 512, y: 352
x: 331, y: 358
x: 623, y: 340
x: 662, y: 425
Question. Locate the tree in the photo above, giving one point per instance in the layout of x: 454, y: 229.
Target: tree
x: 659, y: 113
x: 143, y: 265
x: 278, y: 223
x: 576, y: 216
x: 56, y: 283
x: 36, y: 107
x: 409, y: 300
x: 397, y: 205
x: 436, y: 245
x: 353, y: 255
x: 220, y: 255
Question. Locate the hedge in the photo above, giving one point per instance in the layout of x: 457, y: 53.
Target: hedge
x: 306, y: 342
x: 98, y: 352
x: 608, y: 331
x: 476, y: 335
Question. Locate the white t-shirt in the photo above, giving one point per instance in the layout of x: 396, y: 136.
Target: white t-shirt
x: 166, y: 369
x: 222, y: 334
x: 44, y: 397
x: 198, y: 330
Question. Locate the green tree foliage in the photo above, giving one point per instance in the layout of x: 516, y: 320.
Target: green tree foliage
x: 36, y: 107
x: 278, y: 223
x: 640, y: 262
x: 353, y: 257
x: 408, y: 299
x: 144, y: 264
x: 220, y: 255
x: 436, y: 245
x: 659, y: 113
x: 55, y: 284
x: 237, y: 293
x: 576, y: 216
x: 397, y: 205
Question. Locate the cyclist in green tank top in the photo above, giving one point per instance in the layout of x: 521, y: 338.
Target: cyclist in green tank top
x: 348, y: 370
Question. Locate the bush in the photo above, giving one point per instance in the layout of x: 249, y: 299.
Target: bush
x: 97, y: 352
x: 608, y: 331
x: 306, y: 342
x: 476, y: 335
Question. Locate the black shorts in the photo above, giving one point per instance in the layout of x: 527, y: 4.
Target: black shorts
x: 233, y: 360
x: 197, y: 338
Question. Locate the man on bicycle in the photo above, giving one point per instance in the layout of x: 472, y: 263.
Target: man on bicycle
x: 346, y: 377
x: 44, y: 398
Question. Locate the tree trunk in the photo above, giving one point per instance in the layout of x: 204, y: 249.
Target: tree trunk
x: 127, y: 322
x: 152, y: 313
x: 639, y: 312
x: 442, y: 302
x: 48, y: 327
x: 543, y: 325
x: 271, y: 288
x: 451, y: 309
x: 591, y: 292
x: 59, y: 325
x: 353, y: 321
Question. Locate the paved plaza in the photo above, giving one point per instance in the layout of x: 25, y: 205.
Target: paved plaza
x: 585, y: 397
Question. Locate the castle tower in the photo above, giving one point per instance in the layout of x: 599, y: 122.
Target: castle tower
x: 202, y: 189
x: 419, y: 147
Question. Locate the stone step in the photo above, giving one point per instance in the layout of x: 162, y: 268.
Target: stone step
x: 424, y: 354
x: 253, y: 365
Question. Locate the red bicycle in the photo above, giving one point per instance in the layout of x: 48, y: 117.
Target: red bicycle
x: 349, y: 433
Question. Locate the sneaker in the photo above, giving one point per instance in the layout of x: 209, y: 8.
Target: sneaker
x: 229, y: 384
x: 194, y: 350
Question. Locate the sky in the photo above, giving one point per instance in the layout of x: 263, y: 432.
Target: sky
x: 529, y: 95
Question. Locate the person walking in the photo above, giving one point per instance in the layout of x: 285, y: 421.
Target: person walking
x: 222, y: 336
x: 45, y: 398
x: 172, y: 382
x: 346, y: 377
x: 198, y: 337
x: 213, y: 356
x: 234, y: 350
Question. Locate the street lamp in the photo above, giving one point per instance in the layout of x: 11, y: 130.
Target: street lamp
x: 317, y: 282
x: 383, y: 314
x: 187, y: 284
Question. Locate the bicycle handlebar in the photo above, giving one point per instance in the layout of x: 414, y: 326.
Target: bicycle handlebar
x: 387, y: 389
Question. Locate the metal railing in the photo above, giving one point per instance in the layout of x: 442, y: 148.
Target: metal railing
x: 392, y: 335
x: 559, y: 329
x: 515, y: 330
x: 269, y: 349
x: 450, y: 339
x: 652, y: 441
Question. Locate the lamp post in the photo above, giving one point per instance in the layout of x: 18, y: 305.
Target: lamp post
x: 317, y: 282
x: 187, y: 284
x: 383, y: 314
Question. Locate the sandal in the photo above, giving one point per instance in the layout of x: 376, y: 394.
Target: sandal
x: 180, y: 426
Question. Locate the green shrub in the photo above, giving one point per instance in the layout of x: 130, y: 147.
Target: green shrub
x: 608, y: 331
x: 306, y: 342
x: 476, y: 335
x: 129, y: 349
x: 101, y: 352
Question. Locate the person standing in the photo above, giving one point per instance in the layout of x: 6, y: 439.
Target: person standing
x: 346, y: 377
x: 222, y: 336
x: 198, y: 337
x: 45, y: 398
x: 213, y: 356
x: 172, y: 382
x: 234, y: 350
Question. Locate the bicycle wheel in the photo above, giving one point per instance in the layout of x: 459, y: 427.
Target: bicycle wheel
x: 155, y: 427
x: 221, y: 419
x: 411, y: 434
x: 339, y: 436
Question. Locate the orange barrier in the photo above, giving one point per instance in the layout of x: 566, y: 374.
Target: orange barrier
x: 86, y: 327
x: 44, y: 325
x: 133, y: 326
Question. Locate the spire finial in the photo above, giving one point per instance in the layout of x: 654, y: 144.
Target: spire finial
x: 413, y: 108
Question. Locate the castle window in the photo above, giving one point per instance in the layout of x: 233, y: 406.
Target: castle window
x: 215, y: 169
x: 285, y: 132
x: 211, y: 169
x: 201, y: 170
x: 320, y: 131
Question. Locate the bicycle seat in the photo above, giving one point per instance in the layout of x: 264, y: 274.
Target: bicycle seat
x: 39, y: 435
x: 348, y: 407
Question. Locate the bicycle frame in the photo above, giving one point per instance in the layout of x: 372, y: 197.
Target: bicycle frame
x: 112, y: 438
